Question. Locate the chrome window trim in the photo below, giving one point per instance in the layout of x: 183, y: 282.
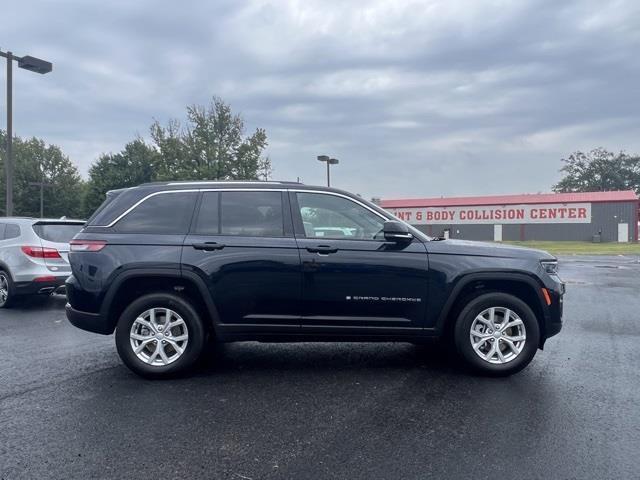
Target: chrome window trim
x: 135, y: 205
x: 197, y: 190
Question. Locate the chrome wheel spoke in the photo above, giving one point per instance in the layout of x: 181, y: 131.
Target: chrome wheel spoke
x: 518, y: 338
x: 147, y: 324
x: 175, y: 346
x: 142, y: 345
x: 515, y: 323
x: 142, y: 338
x: 511, y: 346
x: 492, y: 352
x: 477, y: 345
x: 176, y: 323
x: 163, y: 354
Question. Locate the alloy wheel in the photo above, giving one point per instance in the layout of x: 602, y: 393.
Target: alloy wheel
x: 4, y: 289
x: 159, y: 336
x: 498, y: 335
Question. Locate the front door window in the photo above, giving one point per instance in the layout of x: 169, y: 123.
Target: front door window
x: 332, y: 217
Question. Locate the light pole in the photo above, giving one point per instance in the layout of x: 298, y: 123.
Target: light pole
x: 329, y: 161
x: 28, y: 63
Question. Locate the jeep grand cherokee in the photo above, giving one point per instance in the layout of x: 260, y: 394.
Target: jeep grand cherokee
x: 168, y: 266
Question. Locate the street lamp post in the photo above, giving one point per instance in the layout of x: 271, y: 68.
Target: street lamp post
x: 28, y: 63
x: 329, y: 161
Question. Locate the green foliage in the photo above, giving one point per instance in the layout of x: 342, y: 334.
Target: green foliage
x: 212, y: 146
x: 599, y: 170
x: 131, y: 167
x: 34, y: 161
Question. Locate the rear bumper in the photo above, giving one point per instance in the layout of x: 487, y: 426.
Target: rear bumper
x: 91, y: 322
x: 44, y: 288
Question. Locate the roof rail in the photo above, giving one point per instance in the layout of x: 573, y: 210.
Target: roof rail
x: 250, y: 182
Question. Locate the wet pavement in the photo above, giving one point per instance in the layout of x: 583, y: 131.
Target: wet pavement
x: 70, y: 409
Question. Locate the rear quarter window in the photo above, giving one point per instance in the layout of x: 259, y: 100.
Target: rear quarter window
x: 167, y: 213
x: 57, y: 232
x: 11, y: 231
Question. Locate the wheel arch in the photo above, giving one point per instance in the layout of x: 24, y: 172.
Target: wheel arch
x: 132, y: 284
x: 520, y: 285
x: 5, y: 268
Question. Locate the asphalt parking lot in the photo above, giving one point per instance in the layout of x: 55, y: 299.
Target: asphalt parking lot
x: 70, y: 409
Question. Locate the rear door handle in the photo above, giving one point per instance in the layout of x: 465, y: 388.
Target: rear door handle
x: 208, y: 246
x: 322, y: 249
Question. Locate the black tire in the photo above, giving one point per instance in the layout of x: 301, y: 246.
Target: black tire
x: 10, y: 300
x: 196, y: 331
x: 465, y: 320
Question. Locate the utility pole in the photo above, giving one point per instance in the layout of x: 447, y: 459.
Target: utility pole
x: 28, y: 63
x: 9, y: 160
x: 42, y: 186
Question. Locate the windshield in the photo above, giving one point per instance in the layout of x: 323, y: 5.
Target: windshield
x: 57, y: 232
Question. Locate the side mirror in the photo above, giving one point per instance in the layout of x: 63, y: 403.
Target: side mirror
x: 395, y: 231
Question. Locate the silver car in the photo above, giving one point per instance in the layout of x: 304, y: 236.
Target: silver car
x: 34, y: 256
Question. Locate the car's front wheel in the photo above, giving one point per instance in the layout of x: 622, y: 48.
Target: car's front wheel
x: 497, y: 334
x: 6, y: 290
x: 160, y: 335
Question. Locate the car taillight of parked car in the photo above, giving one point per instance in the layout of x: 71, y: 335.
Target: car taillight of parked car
x: 87, y: 245
x: 40, y: 252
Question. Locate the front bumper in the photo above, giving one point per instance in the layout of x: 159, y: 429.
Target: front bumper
x: 554, y: 319
x: 91, y: 322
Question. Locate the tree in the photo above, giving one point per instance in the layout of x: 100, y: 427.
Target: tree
x: 132, y: 166
x: 599, y: 170
x: 213, y: 146
x: 34, y: 161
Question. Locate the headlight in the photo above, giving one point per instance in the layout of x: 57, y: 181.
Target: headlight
x: 550, y: 266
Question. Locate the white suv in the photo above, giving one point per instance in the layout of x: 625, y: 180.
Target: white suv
x: 34, y: 256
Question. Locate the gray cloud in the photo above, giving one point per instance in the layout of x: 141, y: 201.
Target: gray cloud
x: 416, y: 98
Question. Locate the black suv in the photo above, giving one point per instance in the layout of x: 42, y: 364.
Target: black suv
x: 169, y: 266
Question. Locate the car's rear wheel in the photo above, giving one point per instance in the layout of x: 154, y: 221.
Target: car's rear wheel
x: 160, y: 335
x: 497, y: 334
x: 6, y: 290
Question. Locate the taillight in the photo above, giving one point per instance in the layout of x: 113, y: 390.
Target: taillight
x: 40, y: 252
x: 87, y: 245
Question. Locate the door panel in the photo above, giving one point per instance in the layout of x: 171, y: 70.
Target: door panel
x: 364, y: 284
x: 242, y: 246
x: 252, y: 280
x: 353, y: 280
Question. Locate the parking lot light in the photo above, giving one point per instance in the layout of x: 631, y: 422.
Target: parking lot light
x: 32, y: 64
x: 329, y: 161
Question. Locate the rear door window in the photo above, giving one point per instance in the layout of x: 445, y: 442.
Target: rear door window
x: 57, y: 232
x: 208, y: 221
x: 2, y: 227
x: 167, y: 213
x: 253, y: 214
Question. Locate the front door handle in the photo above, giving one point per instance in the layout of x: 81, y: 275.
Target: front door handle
x: 208, y: 246
x: 322, y: 249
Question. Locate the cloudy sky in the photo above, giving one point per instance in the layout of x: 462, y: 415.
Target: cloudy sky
x: 416, y: 98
